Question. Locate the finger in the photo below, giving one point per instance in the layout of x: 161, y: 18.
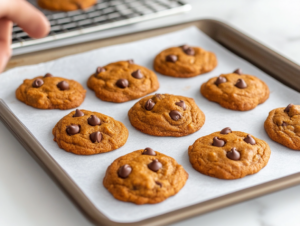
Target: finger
x: 5, y: 41
x: 26, y: 16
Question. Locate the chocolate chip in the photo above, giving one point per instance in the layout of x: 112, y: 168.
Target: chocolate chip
x: 37, y: 83
x: 238, y: 71
x: 175, y: 115
x: 100, y: 69
x: 149, y: 151
x: 63, y: 85
x: 284, y: 124
x: 94, y: 120
x: 158, y: 96
x: 48, y: 75
x: 233, y: 154
x: 171, y: 58
x: 155, y: 165
x: 130, y: 61
x: 184, y: 47
x: 220, y: 80
x: 287, y: 109
x: 149, y: 105
x: 250, y: 140
x: 79, y: 5
x: 96, y: 137
x: 158, y: 183
x: 226, y: 130
x: 241, y: 84
x: 124, y: 171
x: 137, y: 74
x: 181, y: 104
x: 188, y: 50
x: 218, y: 142
x: 73, y: 129
x: 122, y: 83
x: 78, y: 113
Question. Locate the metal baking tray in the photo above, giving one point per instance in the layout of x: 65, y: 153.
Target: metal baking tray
x: 265, y: 59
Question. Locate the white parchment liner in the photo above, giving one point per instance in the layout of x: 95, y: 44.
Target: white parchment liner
x: 88, y: 171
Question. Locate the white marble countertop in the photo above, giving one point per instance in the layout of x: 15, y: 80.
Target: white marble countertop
x: 29, y: 197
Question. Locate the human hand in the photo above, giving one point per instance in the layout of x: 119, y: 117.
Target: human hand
x: 27, y: 17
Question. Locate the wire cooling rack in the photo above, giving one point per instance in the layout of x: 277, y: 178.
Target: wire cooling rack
x: 103, y: 15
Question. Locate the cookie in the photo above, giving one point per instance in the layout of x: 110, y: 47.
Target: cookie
x: 229, y: 154
x: 166, y: 115
x: 144, y: 176
x: 184, y: 61
x: 66, y: 5
x: 122, y: 81
x: 48, y: 92
x: 236, y: 91
x: 86, y: 133
x: 283, y: 126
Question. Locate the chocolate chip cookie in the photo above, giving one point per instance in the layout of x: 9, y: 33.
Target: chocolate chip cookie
x: 236, y: 91
x: 283, y: 126
x: 166, y: 115
x: 144, y: 176
x: 184, y: 61
x: 66, y: 5
x: 48, y: 92
x: 122, y: 81
x: 229, y: 154
x: 86, y: 133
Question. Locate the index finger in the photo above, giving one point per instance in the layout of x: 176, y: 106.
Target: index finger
x: 26, y: 16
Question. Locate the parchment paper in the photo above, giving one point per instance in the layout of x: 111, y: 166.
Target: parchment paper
x: 88, y: 171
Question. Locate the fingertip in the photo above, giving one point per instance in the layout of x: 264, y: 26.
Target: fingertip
x: 29, y: 18
x: 40, y: 28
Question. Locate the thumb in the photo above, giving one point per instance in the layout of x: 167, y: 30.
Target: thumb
x: 5, y: 41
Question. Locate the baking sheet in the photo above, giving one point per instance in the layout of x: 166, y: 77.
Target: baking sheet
x: 88, y: 171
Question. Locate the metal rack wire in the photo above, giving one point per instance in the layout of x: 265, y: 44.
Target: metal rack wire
x: 104, y: 15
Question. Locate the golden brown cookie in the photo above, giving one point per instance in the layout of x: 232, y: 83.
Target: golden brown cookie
x: 86, y: 133
x: 236, y: 91
x: 166, y: 115
x: 229, y: 154
x: 283, y: 126
x: 50, y: 92
x: 144, y: 176
x: 122, y: 81
x: 184, y: 61
x: 66, y: 5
